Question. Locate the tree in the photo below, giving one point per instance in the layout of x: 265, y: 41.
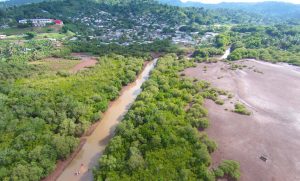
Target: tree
x: 222, y: 40
x: 136, y: 160
x: 108, y: 163
x: 230, y: 168
x: 64, y: 145
x: 30, y: 35
x: 236, y: 45
x: 67, y: 127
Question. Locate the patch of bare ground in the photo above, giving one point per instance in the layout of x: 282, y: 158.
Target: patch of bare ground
x: 87, y: 61
x: 73, y: 66
x: 267, y: 143
x: 156, y: 54
x: 57, y: 64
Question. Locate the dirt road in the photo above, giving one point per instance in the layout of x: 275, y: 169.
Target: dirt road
x: 86, y: 61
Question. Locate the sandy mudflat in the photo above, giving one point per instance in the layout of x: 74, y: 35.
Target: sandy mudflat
x: 272, y: 93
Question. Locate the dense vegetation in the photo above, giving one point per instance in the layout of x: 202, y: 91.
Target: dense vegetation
x: 205, y: 53
x: 71, y: 11
x: 137, y: 50
x: 30, y: 51
x: 43, y: 112
x: 42, y: 117
x: 159, y: 137
x: 278, y: 43
x: 269, y: 12
x: 12, y: 71
x: 228, y: 168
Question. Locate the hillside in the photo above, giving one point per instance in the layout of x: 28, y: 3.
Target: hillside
x: 128, y: 21
x: 273, y: 9
x: 268, y: 9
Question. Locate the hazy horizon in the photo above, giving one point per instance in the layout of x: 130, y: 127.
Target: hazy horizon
x: 241, y: 1
x: 233, y: 1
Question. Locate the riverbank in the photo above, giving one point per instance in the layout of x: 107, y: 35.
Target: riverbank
x: 95, y: 143
x: 270, y: 92
x: 62, y: 165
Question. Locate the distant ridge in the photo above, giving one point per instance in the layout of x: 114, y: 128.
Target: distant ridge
x: 275, y: 9
x: 19, y: 2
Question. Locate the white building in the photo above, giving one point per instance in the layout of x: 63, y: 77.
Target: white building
x: 37, y: 22
x: 2, y: 37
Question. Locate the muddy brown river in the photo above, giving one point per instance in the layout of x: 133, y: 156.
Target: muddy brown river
x: 90, y: 153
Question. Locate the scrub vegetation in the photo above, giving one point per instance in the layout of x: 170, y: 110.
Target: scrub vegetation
x: 43, y: 115
x: 32, y: 50
x: 229, y: 169
x: 159, y: 138
x: 241, y: 109
x: 278, y: 43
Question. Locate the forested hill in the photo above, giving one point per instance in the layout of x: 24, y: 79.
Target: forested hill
x: 273, y: 9
x: 123, y: 14
x: 67, y: 8
x: 278, y: 10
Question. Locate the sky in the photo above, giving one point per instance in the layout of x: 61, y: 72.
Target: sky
x: 219, y: 1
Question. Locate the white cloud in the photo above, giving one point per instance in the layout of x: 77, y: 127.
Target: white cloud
x: 219, y: 1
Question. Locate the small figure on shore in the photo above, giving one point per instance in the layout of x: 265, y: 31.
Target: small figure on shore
x: 77, y: 172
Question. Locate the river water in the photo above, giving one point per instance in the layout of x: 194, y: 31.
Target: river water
x: 89, y: 155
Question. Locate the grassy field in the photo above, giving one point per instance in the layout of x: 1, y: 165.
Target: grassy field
x: 53, y: 32
x: 53, y: 35
x: 50, y: 35
x: 56, y: 64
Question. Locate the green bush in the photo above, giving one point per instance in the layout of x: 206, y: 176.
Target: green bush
x: 218, y: 173
x: 230, y: 168
x: 219, y: 101
x: 241, y: 109
x: 158, y: 139
x: 30, y: 35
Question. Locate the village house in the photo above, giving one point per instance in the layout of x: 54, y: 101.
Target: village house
x: 4, y: 26
x: 2, y: 37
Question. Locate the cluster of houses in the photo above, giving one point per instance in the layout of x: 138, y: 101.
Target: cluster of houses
x: 140, y: 29
x: 41, y: 22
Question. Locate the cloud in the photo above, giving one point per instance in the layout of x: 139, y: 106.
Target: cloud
x: 219, y: 1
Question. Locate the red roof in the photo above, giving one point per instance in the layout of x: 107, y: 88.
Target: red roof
x: 58, y: 22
